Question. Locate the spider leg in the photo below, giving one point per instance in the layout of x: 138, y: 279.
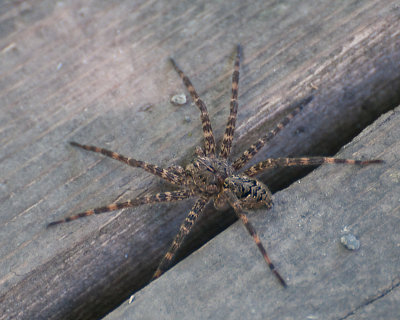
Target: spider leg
x: 235, y: 203
x: 169, y: 175
x: 252, y: 151
x: 209, y: 141
x: 184, y: 230
x: 313, y: 161
x: 147, y: 199
x: 230, y: 126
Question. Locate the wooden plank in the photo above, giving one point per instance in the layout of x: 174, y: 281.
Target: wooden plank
x: 99, y: 74
x: 228, y: 279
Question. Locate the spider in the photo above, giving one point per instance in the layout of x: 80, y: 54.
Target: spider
x: 213, y: 176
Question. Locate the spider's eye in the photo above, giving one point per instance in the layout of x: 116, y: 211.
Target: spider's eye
x: 211, y: 169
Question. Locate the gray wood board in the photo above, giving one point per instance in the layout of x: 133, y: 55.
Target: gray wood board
x: 228, y: 279
x: 98, y: 73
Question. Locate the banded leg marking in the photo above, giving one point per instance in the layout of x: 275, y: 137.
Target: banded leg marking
x: 151, y: 168
x: 230, y: 126
x: 235, y: 203
x: 313, y: 161
x: 184, y: 230
x: 209, y: 142
x: 148, y: 199
x: 252, y: 151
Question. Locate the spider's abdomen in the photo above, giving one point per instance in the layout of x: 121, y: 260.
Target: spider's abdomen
x: 251, y: 192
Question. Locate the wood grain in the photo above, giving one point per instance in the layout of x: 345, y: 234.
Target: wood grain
x: 98, y: 74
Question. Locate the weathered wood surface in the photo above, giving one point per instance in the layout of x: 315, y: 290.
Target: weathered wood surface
x: 99, y: 74
x: 228, y: 279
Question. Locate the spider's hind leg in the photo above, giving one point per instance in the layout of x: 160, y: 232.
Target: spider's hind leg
x: 235, y: 203
x: 184, y: 230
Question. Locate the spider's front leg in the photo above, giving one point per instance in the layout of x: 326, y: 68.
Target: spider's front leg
x: 230, y: 126
x: 172, y: 176
x: 209, y: 141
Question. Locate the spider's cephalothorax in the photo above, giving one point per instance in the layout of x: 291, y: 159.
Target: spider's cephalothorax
x: 213, y: 177
x: 207, y: 175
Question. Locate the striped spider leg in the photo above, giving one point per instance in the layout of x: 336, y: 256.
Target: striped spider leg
x: 214, y: 177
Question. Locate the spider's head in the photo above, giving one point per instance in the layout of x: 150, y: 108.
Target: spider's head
x: 209, y: 174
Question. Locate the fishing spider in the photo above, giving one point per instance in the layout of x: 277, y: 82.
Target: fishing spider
x: 212, y: 176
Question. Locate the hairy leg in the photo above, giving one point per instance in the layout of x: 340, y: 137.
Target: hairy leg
x: 159, y: 197
x: 313, y: 161
x: 184, y: 230
x: 230, y: 126
x: 209, y: 141
x: 235, y: 203
x: 252, y: 151
x: 166, y: 174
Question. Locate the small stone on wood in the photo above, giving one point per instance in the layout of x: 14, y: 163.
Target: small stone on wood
x: 350, y: 242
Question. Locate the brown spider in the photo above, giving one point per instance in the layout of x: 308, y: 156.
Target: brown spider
x: 212, y: 176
